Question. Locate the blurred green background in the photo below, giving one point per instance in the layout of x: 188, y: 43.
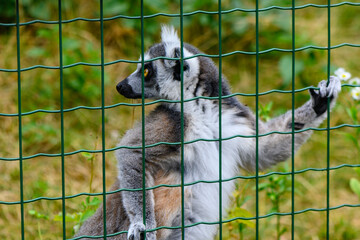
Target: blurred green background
x: 39, y: 44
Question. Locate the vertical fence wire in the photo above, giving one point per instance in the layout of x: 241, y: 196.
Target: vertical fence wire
x: 220, y: 120
x: 143, y: 144
x: 182, y: 120
x: 20, y: 121
x: 257, y: 119
x: 62, y: 137
x: 103, y: 147
x: 328, y: 126
x: 293, y: 120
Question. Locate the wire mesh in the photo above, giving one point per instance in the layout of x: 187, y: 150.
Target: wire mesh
x: 143, y: 147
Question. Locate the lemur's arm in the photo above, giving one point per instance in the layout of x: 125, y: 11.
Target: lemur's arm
x: 130, y: 176
x: 131, y: 169
x: 275, y: 148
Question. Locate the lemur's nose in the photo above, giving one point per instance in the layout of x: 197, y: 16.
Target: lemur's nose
x: 118, y: 87
x: 123, y: 87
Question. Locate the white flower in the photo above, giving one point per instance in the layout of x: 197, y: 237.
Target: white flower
x: 355, y: 93
x: 355, y: 81
x: 342, y: 74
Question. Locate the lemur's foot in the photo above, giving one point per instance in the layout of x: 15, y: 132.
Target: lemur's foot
x: 320, y: 97
x: 136, y: 232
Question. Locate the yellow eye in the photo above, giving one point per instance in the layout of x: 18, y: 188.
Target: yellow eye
x: 146, y: 72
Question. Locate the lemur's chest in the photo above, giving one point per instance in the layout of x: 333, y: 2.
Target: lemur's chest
x: 206, y: 148
x: 203, y: 154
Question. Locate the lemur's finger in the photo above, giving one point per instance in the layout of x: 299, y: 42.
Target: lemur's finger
x: 313, y: 92
x: 334, y: 86
x: 331, y: 88
x: 323, y: 88
x: 132, y: 236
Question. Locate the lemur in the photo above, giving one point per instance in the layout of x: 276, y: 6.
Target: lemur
x: 162, y: 80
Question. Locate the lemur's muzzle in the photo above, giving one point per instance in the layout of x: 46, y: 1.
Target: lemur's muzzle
x: 125, y: 89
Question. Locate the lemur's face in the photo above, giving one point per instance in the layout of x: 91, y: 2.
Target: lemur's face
x: 162, y: 76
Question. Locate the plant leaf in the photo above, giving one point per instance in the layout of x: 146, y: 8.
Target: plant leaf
x: 285, y: 67
x: 355, y: 186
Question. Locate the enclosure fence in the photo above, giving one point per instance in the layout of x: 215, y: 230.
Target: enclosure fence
x: 60, y: 22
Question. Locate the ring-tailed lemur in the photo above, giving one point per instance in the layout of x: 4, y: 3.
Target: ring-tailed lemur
x: 201, y: 158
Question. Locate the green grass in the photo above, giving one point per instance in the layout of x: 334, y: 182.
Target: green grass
x: 81, y: 42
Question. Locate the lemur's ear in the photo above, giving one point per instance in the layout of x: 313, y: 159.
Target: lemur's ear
x: 172, y: 45
x: 169, y: 35
x: 177, y: 54
x: 172, y: 53
x: 175, y: 64
x: 172, y: 50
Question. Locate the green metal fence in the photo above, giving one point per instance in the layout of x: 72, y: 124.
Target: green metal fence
x: 257, y: 176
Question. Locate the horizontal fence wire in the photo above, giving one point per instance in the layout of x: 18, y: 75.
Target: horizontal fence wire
x: 166, y: 101
x: 234, y: 219
x: 186, y: 58
x: 176, y: 143
x: 220, y: 139
x: 185, y: 14
x: 188, y: 184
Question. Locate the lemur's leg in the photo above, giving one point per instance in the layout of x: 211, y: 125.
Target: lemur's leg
x: 275, y: 148
x: 130, y: 176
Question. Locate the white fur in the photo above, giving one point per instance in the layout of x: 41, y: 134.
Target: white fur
x: 194, y: 69
x: 169, y: 35
x: 171, y: 89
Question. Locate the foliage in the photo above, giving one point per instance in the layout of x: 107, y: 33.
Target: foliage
x: 265, y: 111
x: 276, y: 186
x: 353, y: 110
x: 236, y: 228
x: 88, y: 208
x: 355, y: 186
x: 285, y: 67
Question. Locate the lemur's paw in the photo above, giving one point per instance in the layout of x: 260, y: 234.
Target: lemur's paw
x: 332, y: 90
x: 136, y: 232
x: 319, y: 97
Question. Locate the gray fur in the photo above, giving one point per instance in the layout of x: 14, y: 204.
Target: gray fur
x: 163, y: 162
